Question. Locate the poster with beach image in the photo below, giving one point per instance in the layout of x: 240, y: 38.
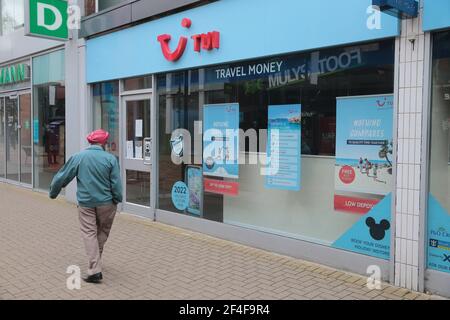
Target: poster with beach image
x: 364, y: 146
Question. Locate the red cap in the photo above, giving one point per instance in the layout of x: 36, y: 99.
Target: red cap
x: 98, y: 137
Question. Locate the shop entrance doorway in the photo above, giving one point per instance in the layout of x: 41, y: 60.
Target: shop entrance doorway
x: 16, y: 138
x: 137, y: 155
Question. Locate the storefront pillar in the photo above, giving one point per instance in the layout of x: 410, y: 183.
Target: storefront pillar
x: 408, y: 263
x: 76, y: 101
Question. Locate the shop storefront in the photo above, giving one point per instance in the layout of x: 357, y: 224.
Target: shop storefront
x: 48, y: 117
x: 436, y: 21
x: 15, y: 123
x: 268, y: 135
x: 32, y: 115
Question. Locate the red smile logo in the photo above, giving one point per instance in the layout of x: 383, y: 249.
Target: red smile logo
x: 205, y: 41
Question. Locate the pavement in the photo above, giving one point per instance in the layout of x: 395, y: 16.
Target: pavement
x: 40, y: 240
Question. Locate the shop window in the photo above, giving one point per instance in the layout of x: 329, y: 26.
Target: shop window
x: 93, y: 6
x: 299, y: 94
x: 140, y: 83
x: 12, y: 16
x: 49, y: 118
x: 439, y: 199
x: 106, y: 112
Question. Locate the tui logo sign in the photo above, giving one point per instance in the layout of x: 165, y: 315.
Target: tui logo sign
x: 205, y: 41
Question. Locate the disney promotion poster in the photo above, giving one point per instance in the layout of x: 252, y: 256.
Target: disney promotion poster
x: 364, y: 147
x: 221, y: 140
x: 363, y: 173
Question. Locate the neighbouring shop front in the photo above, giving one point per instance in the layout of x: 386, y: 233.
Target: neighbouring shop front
x: 436, y: 22
x: 32, y: 120
x: 313, y: 160
x: 15, y: 123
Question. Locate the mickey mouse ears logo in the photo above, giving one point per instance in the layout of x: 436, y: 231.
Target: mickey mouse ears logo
x: 378, y: 231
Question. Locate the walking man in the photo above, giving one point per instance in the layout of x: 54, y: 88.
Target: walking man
x: 99, y: 190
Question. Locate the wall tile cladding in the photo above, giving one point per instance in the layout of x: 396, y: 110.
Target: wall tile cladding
x: 409, y: 149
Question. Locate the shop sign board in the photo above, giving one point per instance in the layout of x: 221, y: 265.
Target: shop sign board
x: 47, y: 19
x: 221, y: 140
x: 14, y: 74
x: 284, y: 147
x: 364, y: 137
x: 203, y: 41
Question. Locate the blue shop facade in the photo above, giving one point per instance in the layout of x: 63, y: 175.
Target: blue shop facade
x: 293, y: 126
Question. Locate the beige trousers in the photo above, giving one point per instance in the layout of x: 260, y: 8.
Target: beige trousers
x: 96, y: 224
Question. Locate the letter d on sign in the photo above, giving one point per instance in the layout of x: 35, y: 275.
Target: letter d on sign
x: 44, y: 12
x: 47, y: 19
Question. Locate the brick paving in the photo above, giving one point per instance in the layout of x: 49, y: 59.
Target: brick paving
x: 40, y: 238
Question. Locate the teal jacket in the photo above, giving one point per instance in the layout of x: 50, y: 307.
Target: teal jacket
x: 98, y: 178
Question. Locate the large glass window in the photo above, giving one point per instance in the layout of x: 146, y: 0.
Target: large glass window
x: 49, y: 117
x: 439, y: 202
x: 315, y: 81
x: 93, y: 6
x: 106, y: 112
x: 12, y: 15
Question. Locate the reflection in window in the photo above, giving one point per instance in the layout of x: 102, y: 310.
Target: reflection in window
x: 12, y: 15
x: 106, y: 113
x: 93, y: 6
x: 49, y: 117
x: 315, y: 80
x: 440, y: 123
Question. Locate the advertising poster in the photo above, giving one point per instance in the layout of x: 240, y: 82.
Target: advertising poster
x: 194, y: 181
x: 221, y: 140
x: 371, y: 235
x: 438, y: 236
x: 364, y: 146
x: 284, y: 147
x: 226, y: 188
x: 180, y: 195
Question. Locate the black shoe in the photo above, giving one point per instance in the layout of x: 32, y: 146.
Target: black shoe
x: 96, y: 278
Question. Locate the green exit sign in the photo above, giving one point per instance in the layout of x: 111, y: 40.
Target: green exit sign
x: 47, y: 19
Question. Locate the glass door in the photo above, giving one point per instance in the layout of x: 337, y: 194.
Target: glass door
x: 12, y: 138
x: 16, y: 138
x: 136, y: 154
x: 25, y: 138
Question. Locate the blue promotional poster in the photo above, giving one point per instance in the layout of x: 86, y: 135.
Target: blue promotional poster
x: 180, y: 195
x: 371, y: 235
x: 194, y: 181
x: 284, y: 147
x: 364, y: 147
x: 363, y: 172
x: 221, y: 140
x: 438, y: 236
